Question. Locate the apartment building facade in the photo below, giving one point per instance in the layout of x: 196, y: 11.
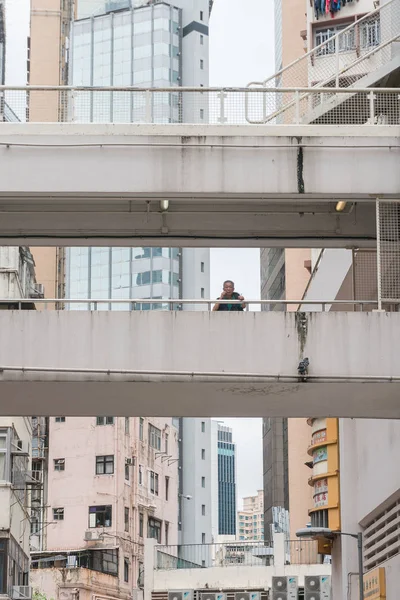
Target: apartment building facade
x: 250, y: 520
x: 112, y: 483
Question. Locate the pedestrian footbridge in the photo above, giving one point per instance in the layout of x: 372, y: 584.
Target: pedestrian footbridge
x: 198, y: 167
x: 164, y: 363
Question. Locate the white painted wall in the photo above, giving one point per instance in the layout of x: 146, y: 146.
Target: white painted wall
x: 368, y: 477
x: 328, y: 277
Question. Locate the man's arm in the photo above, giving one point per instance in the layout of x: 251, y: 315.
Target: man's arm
x: 244, y: 303
x: 216, y: 306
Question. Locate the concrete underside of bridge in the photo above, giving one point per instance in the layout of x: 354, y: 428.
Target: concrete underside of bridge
x: 70, y: 184
x: 199, y: 364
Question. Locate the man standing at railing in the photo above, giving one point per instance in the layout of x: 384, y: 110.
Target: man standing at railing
x: 228, y: 293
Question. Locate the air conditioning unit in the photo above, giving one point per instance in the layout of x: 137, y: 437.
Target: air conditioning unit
x: 180, y: 595
x: 317, y: 587
x: 285, y: 588
x: 215, y: 596
x: 92, y: 536
x: 247, y: 595
x: 21, y: 592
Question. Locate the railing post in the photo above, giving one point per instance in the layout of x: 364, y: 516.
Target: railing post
x: 378, y: 255
x: 297, y: 104
x: 222, y: 96
x: 371, y: 108
x: 337, y: 61
x: 148, y: 118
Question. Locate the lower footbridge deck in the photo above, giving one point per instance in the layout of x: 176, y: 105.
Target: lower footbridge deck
x: 163, y: 363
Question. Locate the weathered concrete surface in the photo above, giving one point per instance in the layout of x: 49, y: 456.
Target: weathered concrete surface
x: 199, y: 364
x: 238, y: 185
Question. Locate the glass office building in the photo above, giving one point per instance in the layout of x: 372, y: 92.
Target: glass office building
x: 140, y: 47
x: 226, y: 482
x: 123, y: 273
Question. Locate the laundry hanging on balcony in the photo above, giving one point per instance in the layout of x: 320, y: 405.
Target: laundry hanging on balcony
x: 323, y: 7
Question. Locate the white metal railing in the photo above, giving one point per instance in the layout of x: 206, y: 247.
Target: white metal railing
x: 346, y: 59
x: 202, y: 106
x: 131, y: 304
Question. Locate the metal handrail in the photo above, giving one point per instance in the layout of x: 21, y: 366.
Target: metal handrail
x: 132, y: 302
x: 202, y: 90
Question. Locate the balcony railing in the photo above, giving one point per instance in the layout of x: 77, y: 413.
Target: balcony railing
x: 202, y: 106
x: 202, y: 556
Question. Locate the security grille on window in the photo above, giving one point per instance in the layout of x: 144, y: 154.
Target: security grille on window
x: 100, y: 516
x: 153, y: 483
x: 58, y: 514
x: 105, y: 465
x: 141, y: 432
x: 104, y: 420
x: 154, y: 529
x: 370, y: 34
x: 59, y: 464
x: 126, y: 518
x: 154, y: 437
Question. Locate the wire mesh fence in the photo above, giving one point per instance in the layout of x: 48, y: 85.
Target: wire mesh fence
x: 201, y: 106
x: 343, y: 56
x: 201, y: 556
x: 388, y: 249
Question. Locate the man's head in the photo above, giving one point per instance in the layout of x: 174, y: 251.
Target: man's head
x: 229, y: 288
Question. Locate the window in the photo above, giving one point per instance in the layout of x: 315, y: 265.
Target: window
x: 126, y: 425
x: 203, y: 538
x: 100, y: 516
x: 202, y: 117
x: 140, y: 474
x: 202, y: 267
x: 127, y: 465
x: 141, y: 524
x: 126, y: 570
x: 167, y: 489
x: 154, y: 529
x: 105, y: 465
x: 104, y: 420
x: 166, y: 533
x: 203, y: 510
x: 166, y: 443
x: 3, y: 566
x: 203, y: 427
x: 126, y: 518
x: 203, y: 482
x: 58, y: 514
x: 59, y: 464
x: 201, y: 40
x: 154, y: 437
x: 154, y: 483
x: 370, y: 34
x: 203, y: 454
x: 60, y: 419
x: 201, y: 15
x: 201, y: 64
x: 141, y: 429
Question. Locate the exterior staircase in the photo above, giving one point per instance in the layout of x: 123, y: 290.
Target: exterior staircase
x: 366, y: 54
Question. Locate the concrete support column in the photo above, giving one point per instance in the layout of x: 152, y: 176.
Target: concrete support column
x: 279, y: 549
x: 149, y: 565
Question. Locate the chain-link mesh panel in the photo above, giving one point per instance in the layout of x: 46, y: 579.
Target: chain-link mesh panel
x: 326, y: 106
x: 388, y: 223
x: 365, y: 281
